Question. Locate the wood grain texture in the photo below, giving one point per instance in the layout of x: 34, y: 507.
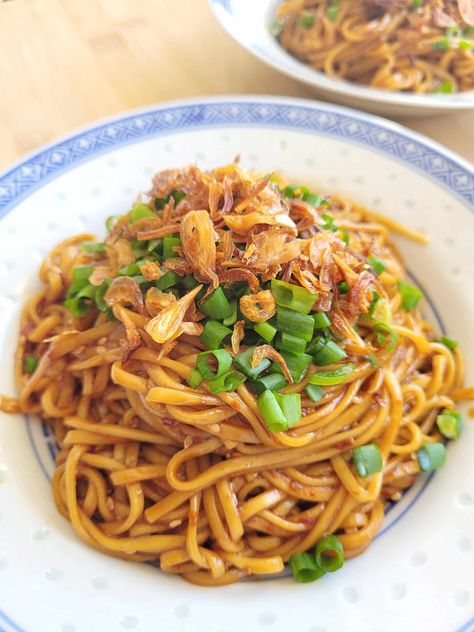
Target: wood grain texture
x: 66, y: 63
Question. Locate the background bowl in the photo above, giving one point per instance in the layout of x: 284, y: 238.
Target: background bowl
x: 419, y: 573
x: 248, y: 23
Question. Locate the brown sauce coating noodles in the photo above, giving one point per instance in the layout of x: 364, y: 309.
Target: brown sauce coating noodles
x: 391, y: 45
x: 152, y: 469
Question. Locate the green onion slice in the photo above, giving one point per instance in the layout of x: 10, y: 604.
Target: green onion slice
x: 306, y: 20
x: 232, y: 319
x: 293, y: 344
x: 266, y: 331
x: 292, y: 296
x: 194, y: 379
x: 367, y: 459
x: 410, y: 295
x: 304, y: 568
x: 140, y: 211
x: 224, y: 361
x: 214, y: 334
x: 330, y: 353
x: 321, y: 320
x: 30, y: 362
x: 93, y: 247
x: 386, y: 336
x: 449, y: 342
x: 297, y: 364
x: 217, y: 306
x: 431, y: 456
x: 329, y: 554
x: 314, y: 392
x: 449, y: 423
x: 167, y: 280
x: 271, y: 412
x: 290, y: 403
x: 271, y: 382
x: 170, y: 242
x: 295, y: 323
x: 331, y: 378
x: 377, y: 265
x: 227, y: 382
x: 244, y: 362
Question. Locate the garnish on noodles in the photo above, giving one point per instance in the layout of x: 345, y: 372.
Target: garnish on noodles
x: 237, y: 377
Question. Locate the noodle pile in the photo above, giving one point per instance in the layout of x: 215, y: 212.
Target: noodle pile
x: 408, y: 45
x: 153, y: 469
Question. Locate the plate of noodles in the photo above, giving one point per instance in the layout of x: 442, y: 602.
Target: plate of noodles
x: 233, y: 387
x: 394, y: 57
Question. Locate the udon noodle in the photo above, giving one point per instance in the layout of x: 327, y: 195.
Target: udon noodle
x: 409, y: 45
x: 155, y: 464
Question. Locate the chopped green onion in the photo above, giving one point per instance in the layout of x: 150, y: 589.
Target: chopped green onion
x: 297, y: 364
x: 140, y: 211
x: 217, y: 306
x: 139, y: 248
x: 330, y: 378
x: 270, y: 382
x: 155, y: 246
x: 330, y: 353
x: 313, y: 199
x: 441, y: 44
x: 99, y: 295
x: 343, y: 287
x: 373, y: 303
x: 329, y: 554
x: 224, y: 361
x: 304, y: 568
x: 93, y: 247
x: 410, y: 295
x: 377, y: 265
x: 431, y: 456
x: 316, y: 345
x: 345, y: 236
x: 170, y: 242
x: 276, y: 27
x: 448, y: 342
x: 214, y: 334
x: 77, y: 306
x: 227, y: 382
x: 306, y: 20
x: 416, y: 4
x: 449, y: 424
x: 453, y: 31
x: 321, y: 320
x: 176, y: 194
x: 231, y: 320
x: 329, y: 223
x: 292, y: 190
x: 333, y: 10
x: 167, y: 280
x: 80, y: 278
x: 290, y: 403
x: 367, y: 459
x: 291, y: 322
x: 194, y: 379
x: 314, y: 392
x: 293, y: 344
x: 271, y: 412
x: 465, y: 44
x: 131, y: 270
x: 445, y: 87
x: 266, y: 331
x: 292, y: 296
x: 189, y: 282
x: 373, y: 360
x: 386, y: 336
x: 111, y: 221
x: 30, y: 362
x: 244, y: 362
x: 381, y: 311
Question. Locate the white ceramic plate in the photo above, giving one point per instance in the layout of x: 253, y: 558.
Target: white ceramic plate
x: 419, y: 572
x: 249, y: 24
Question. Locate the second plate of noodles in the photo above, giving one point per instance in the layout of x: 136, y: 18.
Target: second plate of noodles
x: 238, y: 376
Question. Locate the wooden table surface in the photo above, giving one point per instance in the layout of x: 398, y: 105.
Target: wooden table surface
x: 66, y: 63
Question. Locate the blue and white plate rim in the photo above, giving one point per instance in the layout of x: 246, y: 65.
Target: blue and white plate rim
x: 436, y: 162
